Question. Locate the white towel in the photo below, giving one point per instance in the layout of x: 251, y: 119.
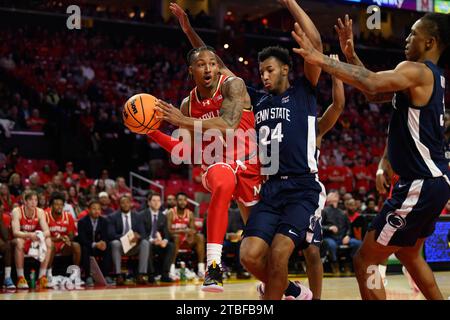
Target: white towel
x: 38, y: 248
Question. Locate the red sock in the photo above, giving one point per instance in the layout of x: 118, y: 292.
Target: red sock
x: 222, y: 182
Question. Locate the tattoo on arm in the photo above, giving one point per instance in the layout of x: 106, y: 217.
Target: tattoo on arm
x: 356, y: 75
x: 234, y: 94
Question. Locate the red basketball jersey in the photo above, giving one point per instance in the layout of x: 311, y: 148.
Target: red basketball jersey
x: 210, y: 108
x: 180, y: 223
x: 29, y: 224
x: 62, y: 226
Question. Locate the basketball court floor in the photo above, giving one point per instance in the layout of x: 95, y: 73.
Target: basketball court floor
x: 334, y: 288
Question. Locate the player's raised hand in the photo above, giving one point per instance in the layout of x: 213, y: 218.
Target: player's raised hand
x: 345, y: 33
x: 169, y: 112
x: 181, y: 16
x: 306, y: 50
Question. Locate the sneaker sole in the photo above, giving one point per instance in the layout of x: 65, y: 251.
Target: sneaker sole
x: 212, y: 288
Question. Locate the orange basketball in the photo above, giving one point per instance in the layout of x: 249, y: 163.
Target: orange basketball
x: 139, y: 114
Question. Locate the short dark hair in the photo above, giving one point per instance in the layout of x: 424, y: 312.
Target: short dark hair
x: 437, y: 26
x: 277, y: 52
x: 93, y: 201
x: 194, y: 51
x: 181, y: 194
x: 151, y: 195
x: 124, y: 196
x: 56, y: 196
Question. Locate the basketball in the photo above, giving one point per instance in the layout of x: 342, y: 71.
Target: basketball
x: 139, y: 113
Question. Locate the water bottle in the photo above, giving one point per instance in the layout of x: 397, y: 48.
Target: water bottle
x: 182, y: 271
x: 33, y: 279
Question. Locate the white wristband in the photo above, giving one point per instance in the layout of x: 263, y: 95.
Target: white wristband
x: 380, y: 172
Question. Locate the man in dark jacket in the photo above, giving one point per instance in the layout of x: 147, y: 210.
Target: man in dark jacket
x: 121, y: 223
x: 94, y: 242
x: 337, y: 230
x: 157, y: 233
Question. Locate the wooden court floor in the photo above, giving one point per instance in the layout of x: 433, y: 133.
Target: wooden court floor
x: 342, y: 288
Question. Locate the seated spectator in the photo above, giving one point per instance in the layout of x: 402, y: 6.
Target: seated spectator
x: 105, y: 202
x: 42, y: 201
x: 119, y: 189
x: 62, y: 232
x: 15, y: 185
x: 109, y: 183
x: 26, y: 220
x: 171, y: 202
x: 84, y: 181
x: 121, y: 222
x: 6, y: 247
x: 35, y: 122
x: 69, y: 176
x: 371, y: 207
x: 157, y: 232
x: 337, y: 230
x: 74, y: 200
x: 35, y: 183
x: 6, y: 198
x: 182, y: 228
x: 358, y: 222
x: 233, y: 240
x: 93, y: 235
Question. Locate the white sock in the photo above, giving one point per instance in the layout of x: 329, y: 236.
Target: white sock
x: 7, y: 272
x: 49, y: 273
x: 213, y: 253
x: 382, y: 270
x: 20, y: 273
x: 42, y: 272
x: 172, y: 268
x: 201, y: 267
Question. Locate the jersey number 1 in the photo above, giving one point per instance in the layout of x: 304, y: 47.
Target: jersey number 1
x: 264, y: 132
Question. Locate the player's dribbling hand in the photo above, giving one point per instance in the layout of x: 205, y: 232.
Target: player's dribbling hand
x: 306, y: 50
x: 345, y: 33
x: 169, y: 112
x: 181, y: 16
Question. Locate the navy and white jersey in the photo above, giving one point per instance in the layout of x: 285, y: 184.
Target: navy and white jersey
x: 289, y: 119
x: 416, y: 141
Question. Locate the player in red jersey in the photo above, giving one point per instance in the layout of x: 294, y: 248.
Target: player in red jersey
x: 62, y: 231
x: 26, y: 220
x: 219, y: 101
x: 182, y: 228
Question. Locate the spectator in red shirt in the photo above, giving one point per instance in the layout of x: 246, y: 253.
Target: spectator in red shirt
x: 45, y: 176
x: 35, y: 122
x: 84, y: 181
x: 335, y: 174
x: 361, y: 174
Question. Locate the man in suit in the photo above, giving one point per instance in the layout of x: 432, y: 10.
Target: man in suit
x: 121, y: 222
x: 94, y: 241
x: 157, y: 232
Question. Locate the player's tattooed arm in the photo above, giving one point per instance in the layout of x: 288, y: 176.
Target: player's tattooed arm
x: 312, y: 72
x: 331, y: 115
x: 405, y: 76
x: 195, y: 40
x: 235, y: 99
